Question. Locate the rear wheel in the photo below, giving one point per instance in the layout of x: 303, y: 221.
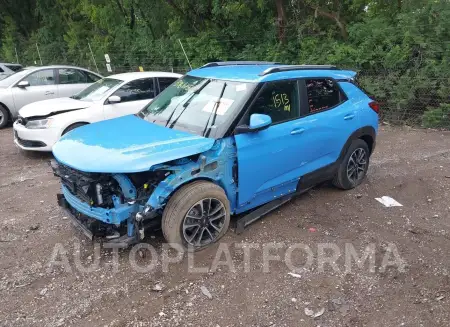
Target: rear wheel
x: 196, y: 216
x: 353, y: 167
x: 4, y: 116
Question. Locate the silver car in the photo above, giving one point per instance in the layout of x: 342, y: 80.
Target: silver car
x: 40, y: 83
x: 8, y: 69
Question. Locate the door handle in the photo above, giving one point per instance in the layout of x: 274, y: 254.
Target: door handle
x: 349, y: 116
x: 49, y: 93
x: 297, y: 131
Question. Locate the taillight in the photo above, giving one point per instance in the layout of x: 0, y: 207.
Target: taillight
x: 375, y: 106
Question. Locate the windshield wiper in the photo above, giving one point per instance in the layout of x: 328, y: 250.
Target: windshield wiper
x: 214, y: 112
x: 185, y: 104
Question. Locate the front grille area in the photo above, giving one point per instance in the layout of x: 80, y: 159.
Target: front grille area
x: 95, y: 189
x: 77, y: 182
x: 29, y: 143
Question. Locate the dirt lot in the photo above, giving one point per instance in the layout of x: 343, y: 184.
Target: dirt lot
x: 412, y: 166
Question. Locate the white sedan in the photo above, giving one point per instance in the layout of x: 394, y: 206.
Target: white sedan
x: 41, y: 124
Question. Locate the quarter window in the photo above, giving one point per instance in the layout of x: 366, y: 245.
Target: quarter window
x: 279, y: 100
x: 41, y: 77
x: 323, y: 94
x: 71, y: 76
x: 141, y: 89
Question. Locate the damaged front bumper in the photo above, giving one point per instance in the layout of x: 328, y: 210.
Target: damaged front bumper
x: 119, y: 226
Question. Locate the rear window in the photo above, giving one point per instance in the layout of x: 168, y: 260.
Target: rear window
x: 323, y: 94
x: 14, y: 68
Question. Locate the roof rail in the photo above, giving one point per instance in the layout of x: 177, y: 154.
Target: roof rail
x: 297, y: 67
x: 237, y: 63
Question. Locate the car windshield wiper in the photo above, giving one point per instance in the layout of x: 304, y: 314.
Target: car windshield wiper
x: 214, y: 112
x: 185, y: 104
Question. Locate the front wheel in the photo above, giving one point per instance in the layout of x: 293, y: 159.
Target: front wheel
x: 196, y: 216
x: 353, y: 167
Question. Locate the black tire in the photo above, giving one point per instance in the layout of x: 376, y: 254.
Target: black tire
x: 185, y: 201
x: 4, y: 117
x: 72, y: 127
x: 342, y: 179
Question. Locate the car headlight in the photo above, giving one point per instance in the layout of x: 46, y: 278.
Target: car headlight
x: 39, y: 124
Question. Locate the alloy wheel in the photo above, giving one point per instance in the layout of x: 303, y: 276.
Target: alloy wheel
x: 357, y: 165
x: 204, y: 222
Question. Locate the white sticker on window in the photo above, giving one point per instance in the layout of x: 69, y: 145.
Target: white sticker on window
x: 224, y: 105
x: 241, y: 87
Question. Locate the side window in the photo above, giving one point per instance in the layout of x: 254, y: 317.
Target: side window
x: 71, y: 76
x: 41, y: 77
x: 141, y: 89
x: 91, y: 78
x: 1, y: 70
x: 322, y: 94
x: 164, y: 82
x: 279, y: 100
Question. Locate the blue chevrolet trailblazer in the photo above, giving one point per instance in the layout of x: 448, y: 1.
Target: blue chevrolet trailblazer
x: 228, y: 138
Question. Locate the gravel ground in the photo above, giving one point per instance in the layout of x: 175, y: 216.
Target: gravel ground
x: 409, y: 285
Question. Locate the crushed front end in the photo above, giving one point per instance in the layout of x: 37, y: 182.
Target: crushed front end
x: 105, y: 206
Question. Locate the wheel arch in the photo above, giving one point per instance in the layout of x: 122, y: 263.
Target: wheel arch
x: 366, y: 133
x: 8, y: 110
x: 166, y: 192
x: 73, y: 123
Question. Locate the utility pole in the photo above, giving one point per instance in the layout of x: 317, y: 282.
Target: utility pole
x: 185, y: 53
x: 39, y: 54
x: 93, y: 58
x: 17, y: 57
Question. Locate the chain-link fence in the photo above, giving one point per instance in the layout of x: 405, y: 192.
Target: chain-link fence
x: 406, y: 96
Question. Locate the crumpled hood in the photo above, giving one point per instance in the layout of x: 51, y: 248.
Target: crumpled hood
x: 47, y: 107
x: 125, y: 145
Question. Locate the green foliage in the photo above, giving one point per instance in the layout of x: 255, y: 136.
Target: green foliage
x: 437, y: 117
x: 400, y: 48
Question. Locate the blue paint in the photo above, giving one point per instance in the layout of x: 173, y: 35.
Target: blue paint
x: 125, y: 145
x: 119, y: 213
x: 223, y: 152
x: 128, y: 189
x: 251, y: 73
x: 258, y: 121
x: 268, y: 163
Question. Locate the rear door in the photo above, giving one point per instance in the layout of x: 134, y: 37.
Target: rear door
x: 42, y: 87
x: 328, y: 119
x: 134, y: 96
x: 71, y: 81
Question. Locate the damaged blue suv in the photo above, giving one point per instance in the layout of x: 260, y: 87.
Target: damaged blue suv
x: 226, y: 139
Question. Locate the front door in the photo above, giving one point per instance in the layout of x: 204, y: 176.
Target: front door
x: 134, y: 96
x: 42, y: 87
x: 270, y: 158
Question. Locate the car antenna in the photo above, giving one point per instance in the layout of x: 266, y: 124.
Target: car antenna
x: 214, y: 112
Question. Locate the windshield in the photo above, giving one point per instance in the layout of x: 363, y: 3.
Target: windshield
x: 11, y: 79
x: 14, y: 68
x: 197, y: 104
x: 97, y: 90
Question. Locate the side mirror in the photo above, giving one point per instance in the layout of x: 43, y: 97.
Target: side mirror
x: 23, y: 84
x: 258, y: 122
x: 114, y: 99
